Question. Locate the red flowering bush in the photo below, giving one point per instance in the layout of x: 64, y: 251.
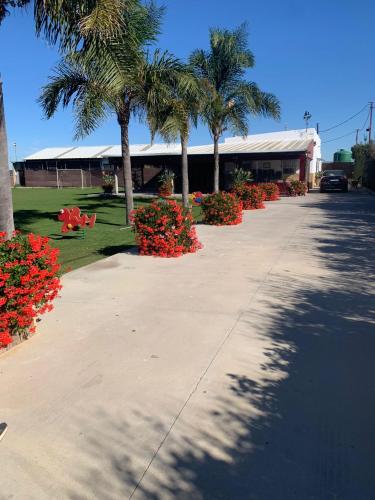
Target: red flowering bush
x: 28, y: 283
x: 252, y: 196
x: 271, y: 191
x: 222, y: 209
x: 297, y: 188
x: 165, y: 229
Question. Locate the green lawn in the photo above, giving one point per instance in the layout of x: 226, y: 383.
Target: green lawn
x: 35, y: 210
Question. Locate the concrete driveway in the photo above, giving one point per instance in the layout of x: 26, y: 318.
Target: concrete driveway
x: 245, y: 371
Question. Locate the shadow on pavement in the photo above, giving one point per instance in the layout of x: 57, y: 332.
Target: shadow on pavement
x: 306, y: 434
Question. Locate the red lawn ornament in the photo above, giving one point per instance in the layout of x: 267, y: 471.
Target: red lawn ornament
x: 73, y: 220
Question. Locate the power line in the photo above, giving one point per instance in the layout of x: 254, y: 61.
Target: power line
x: 349, y: 133
x: 341, y: 137
x: 364, y: 125
x: 345, y: 121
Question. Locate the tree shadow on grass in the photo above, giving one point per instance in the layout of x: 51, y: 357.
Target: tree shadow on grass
x: 23, y: 219
x: 60, y: 236
x: 302, y: 428
x: 128, y: 248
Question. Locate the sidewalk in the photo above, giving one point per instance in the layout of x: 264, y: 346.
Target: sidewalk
x: 243, y: 371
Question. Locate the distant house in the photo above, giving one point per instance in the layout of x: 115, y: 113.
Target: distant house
x: 270, y: 157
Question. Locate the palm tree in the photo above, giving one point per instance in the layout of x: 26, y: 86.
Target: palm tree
x: 71, y: 22
x: 68, y: 23
x: 231, y: 98
x: 6, y: 207
x: 175, y: 115
x: 117, y: 76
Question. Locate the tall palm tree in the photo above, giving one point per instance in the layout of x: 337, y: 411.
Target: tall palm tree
x: 231, y: 98
x: 175, y: 115
x: 117, y: 77
x: 69, y: 23
x: 6, y: 207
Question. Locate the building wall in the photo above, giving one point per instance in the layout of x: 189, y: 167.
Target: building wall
x: 146, y: 170
x: 339, y: 165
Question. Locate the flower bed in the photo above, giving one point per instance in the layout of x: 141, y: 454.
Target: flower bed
x: 271, y: 191
x: 165, y: 229
x: 252, y: 196
x: 297, y: 188
x: 222, y: 209
x: 29, y: 283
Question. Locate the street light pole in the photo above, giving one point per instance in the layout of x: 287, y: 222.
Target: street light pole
x: 307, y: 117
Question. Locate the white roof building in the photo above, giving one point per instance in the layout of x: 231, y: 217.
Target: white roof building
x: 275, y: 155
x: 273, y: 142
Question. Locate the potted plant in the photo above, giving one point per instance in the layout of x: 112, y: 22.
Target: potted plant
x: 166, y: 183
x: 108, y: 182
x: 240, y: 178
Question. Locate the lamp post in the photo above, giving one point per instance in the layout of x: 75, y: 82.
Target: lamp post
x: 15, y: 151
x: 307, y: 117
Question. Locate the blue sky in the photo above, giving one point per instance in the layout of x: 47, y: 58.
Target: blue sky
x: 315, y: 56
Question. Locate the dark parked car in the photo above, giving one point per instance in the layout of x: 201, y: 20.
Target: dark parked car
x: 333, y: 180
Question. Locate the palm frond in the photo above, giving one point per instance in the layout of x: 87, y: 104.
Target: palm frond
x: 70, y: 22
x: 229, y: 98
x: 256, y: 101
x: 90, y: 110
x: 105, y: 20
x: 6, y: 5
x: 71, y: 84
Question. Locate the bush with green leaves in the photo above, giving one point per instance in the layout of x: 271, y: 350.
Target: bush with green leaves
x: 240, y: 177
x: 166, y: 183
x: 297, y: 188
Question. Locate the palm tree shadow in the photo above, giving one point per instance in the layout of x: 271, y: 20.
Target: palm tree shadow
x: 109, y: 250
x: 25, y: 218
x: 299, y: 429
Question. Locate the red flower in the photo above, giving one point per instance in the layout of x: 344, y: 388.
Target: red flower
x: 222, y: 209
x: 29, y: 284
x: 164, y: 229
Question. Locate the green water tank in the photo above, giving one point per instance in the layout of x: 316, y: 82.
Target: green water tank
x: 343, y: 156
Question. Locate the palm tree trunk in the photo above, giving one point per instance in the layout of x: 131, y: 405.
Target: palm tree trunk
x: 216, y: 163
x: 6, y: 205
x: 124, y: 118
x: 184, y: 172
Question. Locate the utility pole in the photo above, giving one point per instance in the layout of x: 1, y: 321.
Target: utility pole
x: 356, y: 135
x: 317, y: 128
x: 370, y: 126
